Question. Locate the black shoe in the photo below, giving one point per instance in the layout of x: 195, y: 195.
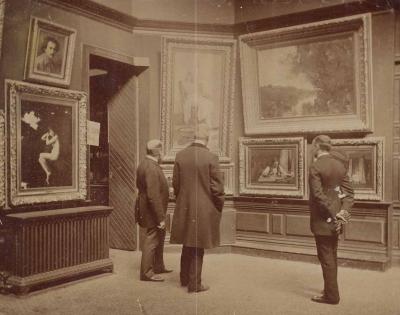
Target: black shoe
x: 323, y: 299
x: 202, y: 288
x: 163, y: 271
x: 152, y: 278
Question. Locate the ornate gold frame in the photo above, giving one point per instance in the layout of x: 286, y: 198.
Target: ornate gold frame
x: 197, y: 46
x: 356, y: 29
x: 247, y: 188
x: 376, y: 145
x: 62, y: 79
x: 17, y: 91
x: 229, y: 178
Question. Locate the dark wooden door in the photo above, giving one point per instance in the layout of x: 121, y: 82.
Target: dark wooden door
x: 122, y: 122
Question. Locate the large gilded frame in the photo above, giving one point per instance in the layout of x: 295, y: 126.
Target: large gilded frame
x: 18, y: 94
x: 281, y: 93
x: 370, y: 185
x: 197, y: 72
x: 258, y: 154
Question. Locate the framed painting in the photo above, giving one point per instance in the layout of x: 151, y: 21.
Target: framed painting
x: 308, y: 78
x: 197, y: 88
x: 365, y: 166
x: 227, y: 174
x: 272, y: 166
x: 2, y: 160
x: 47, y: 132
x: 50, y: 52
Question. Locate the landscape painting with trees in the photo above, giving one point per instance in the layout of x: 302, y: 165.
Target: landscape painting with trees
x: 309, y: 78
x: 312, y: 79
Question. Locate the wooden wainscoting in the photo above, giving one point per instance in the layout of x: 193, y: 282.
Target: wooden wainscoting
x: 56, y: 244
x: 280, y: 228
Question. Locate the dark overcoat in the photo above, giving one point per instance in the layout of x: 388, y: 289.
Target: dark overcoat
x: 199, y: 192
x: 153, y: 194
x: 325, y: 176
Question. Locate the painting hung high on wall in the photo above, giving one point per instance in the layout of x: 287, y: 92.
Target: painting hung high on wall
x: 308, y: 78
x: 272, y: 166
x: 197, y: 90
x: 47, y: 143
x: 50, y: 52
x: 365, y: 165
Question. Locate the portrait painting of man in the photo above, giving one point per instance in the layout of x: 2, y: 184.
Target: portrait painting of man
x: 50, y: 52
x: 49, y: 56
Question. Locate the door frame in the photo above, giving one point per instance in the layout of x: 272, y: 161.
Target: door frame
x: 88, y: 50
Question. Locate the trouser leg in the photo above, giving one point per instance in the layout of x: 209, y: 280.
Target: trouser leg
x: 185, y: 265
x: 149, y: 246
x: 327, y: 255
x: 159, y: 252
x: 196, y: 266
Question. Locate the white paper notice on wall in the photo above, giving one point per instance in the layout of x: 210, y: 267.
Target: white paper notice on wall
x: 93, y: 133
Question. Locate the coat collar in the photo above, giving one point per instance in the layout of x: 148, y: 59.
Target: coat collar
x: 323, y: 156
x: 197, y: 144
x: 152, y: 158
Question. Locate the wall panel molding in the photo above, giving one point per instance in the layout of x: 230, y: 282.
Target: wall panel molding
x: 129, y: 23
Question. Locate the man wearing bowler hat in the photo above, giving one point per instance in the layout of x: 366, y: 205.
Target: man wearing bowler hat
x: 331, y: 197
x: 151, y: 207
x: 199, y: 192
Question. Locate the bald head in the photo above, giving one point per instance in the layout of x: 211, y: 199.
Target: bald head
x: 154, y: 147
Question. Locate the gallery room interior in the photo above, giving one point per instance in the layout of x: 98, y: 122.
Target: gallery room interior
x: 86, y: 84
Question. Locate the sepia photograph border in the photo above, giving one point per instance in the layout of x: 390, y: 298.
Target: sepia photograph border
x: 196, y: 45
x: 63, y: 80
x: 376, y: 145
x: 251, y: 44
x: 246, y: 188
x: 15, y: 91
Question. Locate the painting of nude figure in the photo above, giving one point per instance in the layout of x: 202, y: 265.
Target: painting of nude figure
x: 47, y: 143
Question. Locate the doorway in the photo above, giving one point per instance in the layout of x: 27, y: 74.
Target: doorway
x: 112, y: 84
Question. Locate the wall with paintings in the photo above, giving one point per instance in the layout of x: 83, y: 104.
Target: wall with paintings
x: 277, y: 218
x: 285, y: 221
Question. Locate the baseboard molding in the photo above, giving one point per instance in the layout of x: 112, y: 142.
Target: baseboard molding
x: 22, y: 285
x: 350, y: 260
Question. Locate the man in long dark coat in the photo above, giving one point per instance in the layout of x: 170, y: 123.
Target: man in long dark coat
x: 152, y: 206
x: 199, y: 192
x: 331, y: 198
